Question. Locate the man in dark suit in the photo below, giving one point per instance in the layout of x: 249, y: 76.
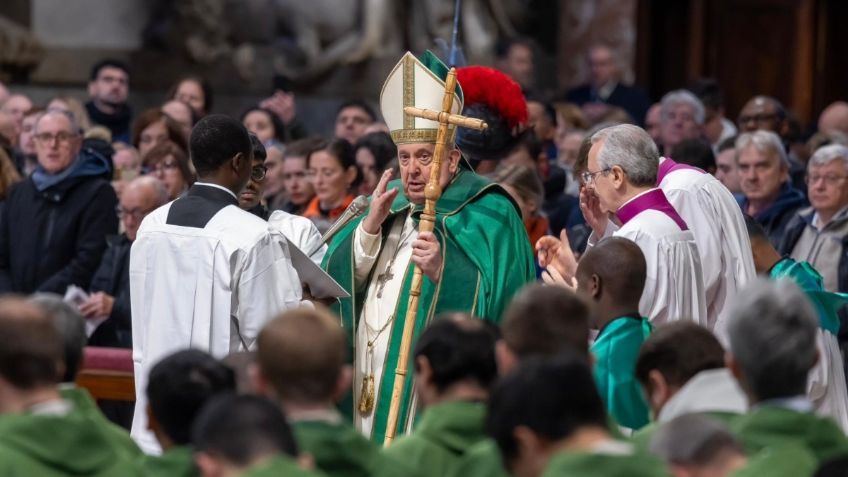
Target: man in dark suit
x: 605, y: 88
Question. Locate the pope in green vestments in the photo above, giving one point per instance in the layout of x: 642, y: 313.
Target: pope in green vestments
x: 441, y: 437
x: 70, y: 441
x: 485, y: 253
x: 615, y: 350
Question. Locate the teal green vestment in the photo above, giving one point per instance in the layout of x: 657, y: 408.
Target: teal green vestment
x: 616, y: 349
x: 827, y: 304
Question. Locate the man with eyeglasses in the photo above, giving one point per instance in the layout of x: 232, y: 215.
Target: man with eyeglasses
x: 819, y: 234
x: 54, y: 223
x: 110, y: 287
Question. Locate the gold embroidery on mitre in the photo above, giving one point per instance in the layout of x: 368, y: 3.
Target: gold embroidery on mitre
x: 415, y: 136
x: 408, y: 90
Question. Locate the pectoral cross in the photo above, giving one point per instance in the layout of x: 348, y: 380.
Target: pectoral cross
x: 382, y: 279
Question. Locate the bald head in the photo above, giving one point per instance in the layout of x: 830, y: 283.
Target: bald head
x: 614, y: 270
x: 301, y: 356
x: 139, y: 198
x: 834, y: 118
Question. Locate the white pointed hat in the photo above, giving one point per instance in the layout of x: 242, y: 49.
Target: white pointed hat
x: 419, y: 83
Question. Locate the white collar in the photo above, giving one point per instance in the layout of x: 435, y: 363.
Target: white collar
x: 708, y: 391
x: 209, y: 184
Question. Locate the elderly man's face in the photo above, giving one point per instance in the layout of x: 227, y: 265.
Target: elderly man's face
x: 416, y: 163
x: 826, y: 186
x: 678, y: 124
x: 136, y: 202
x: 600, y: 183
x: 111, y: 86
x: 56, y: 144
x: 761, y: 173
x: 760, y: 113
x: 602, y: 66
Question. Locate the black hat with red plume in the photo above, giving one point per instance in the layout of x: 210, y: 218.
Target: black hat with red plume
x: 496, y: 98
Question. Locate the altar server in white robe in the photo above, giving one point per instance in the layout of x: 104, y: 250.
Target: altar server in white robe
x: 622, y: 172
x: 204, y: 273
x: 715, y: 219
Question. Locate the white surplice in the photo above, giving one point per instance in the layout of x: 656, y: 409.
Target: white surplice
x: 377, y: 311
x: 674, y: 287
x: 826, y: 386
x: 716, y: 222
x: 712, y: 390
x: 301, y: 232
x: 210, y: 288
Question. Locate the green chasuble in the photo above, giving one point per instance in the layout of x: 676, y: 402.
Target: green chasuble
x: 174, y: 462
x: 84, y: 403
x: 827, y: 304
x: 281, y: 466
x: 782, y: 461
x: 339, y: 450
x: 443, y: 434
x: 616, y: 349
x: 486, y: 256
x: 587, y: 464
x: 65, y: 444
x: 771, y: 426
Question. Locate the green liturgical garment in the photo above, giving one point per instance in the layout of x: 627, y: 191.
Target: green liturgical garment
x: 339, y: 450
x: 72, y: 443
x: 782, y: 461
x: 597, y: 464
x: 486, y: 258
x: 174, y: 462
x: 443, y: 434
x: 827, y: 304
x: 281, y: 466
x: 616, y: 349
x: 771, y: 426
x: 84, y: 403
x: 481, y: 460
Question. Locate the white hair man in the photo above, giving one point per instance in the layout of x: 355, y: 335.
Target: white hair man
x: 681, y: 117
x: 764, y: 172
x: 772, y: 350
x: 621, y: 179
x: 818, y: 234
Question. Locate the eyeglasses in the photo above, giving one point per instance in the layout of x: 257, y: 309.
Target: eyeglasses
x: 829, y: 179
x: 757, y: 118
x: 136, y: 214
x: 588, y: 178
x: 258, y: 173
x: 48, y: 138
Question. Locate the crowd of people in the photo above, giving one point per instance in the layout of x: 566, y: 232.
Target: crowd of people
x: 611, y: 287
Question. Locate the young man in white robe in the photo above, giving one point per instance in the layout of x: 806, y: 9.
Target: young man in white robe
x: 204, y: 273
x: 622, y: 172
x: 716, y: 221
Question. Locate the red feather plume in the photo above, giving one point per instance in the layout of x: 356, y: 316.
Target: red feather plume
x: 481, y: 84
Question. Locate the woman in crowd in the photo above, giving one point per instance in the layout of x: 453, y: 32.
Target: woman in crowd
x: 374, y: 153
x: 334, y: 174
x: 297, y: 186
x: 153, y: 127
x: 194, y: 91
x: 264, y: 123
x: 168, y: 162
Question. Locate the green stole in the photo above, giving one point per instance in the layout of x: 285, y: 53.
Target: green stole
x: 441, y: 437
x: 827, y: 304
x: 487, y: 258
x: 616, y: 349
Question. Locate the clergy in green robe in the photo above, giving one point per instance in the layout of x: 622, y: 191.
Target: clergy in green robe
x: 772, y: 330
x: 43, y: 433
x: 178, y: 387
x: 455, y: 362
x: 84, y: 403
x: 476, y: 258
x: 612, y: 275
x: 301, y: 366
